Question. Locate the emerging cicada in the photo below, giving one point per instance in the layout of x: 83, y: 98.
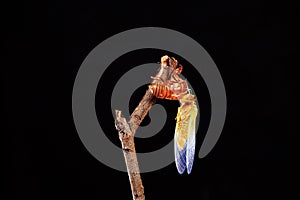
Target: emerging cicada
x: 168, y: 85
x: 185, y: 137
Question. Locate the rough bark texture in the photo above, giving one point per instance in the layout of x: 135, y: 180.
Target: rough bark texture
x: 129, y: 152
x: 128, y: 130
x: 141, y: 111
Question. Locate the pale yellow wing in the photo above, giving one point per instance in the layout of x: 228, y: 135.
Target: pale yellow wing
x: 184, y: 139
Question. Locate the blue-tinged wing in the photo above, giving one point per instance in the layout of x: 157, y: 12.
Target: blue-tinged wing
x: 190, y: 153
x: 180, y: 140
x: 191, y: 140
x: 180, y: 156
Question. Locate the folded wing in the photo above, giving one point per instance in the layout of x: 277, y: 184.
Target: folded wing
x: 191, y: 139
x: 184, y: 140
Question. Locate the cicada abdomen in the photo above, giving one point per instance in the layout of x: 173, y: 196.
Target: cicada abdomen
x: 185, y: 137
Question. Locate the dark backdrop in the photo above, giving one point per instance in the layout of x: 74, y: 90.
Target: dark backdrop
x: 252, y: 43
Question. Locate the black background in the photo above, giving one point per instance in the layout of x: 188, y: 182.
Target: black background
x: 252, y: 43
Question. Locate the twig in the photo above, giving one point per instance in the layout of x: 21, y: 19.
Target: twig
x: 128, y: 130
x: 129, y: 152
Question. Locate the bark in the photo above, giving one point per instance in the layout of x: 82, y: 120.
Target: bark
x: 128, y: 130
x: 128, y: 147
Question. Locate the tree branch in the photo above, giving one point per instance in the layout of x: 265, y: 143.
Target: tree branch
x: 128, y: 130
x: 128, y: 147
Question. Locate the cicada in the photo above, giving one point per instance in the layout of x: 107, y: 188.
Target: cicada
x: 169, y: 85
x: 185, y: 137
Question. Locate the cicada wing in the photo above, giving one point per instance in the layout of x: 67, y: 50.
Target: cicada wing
x: 191, y: 139
x: 179, y: 145
x: 190, y: 153
x: 180, y: 156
